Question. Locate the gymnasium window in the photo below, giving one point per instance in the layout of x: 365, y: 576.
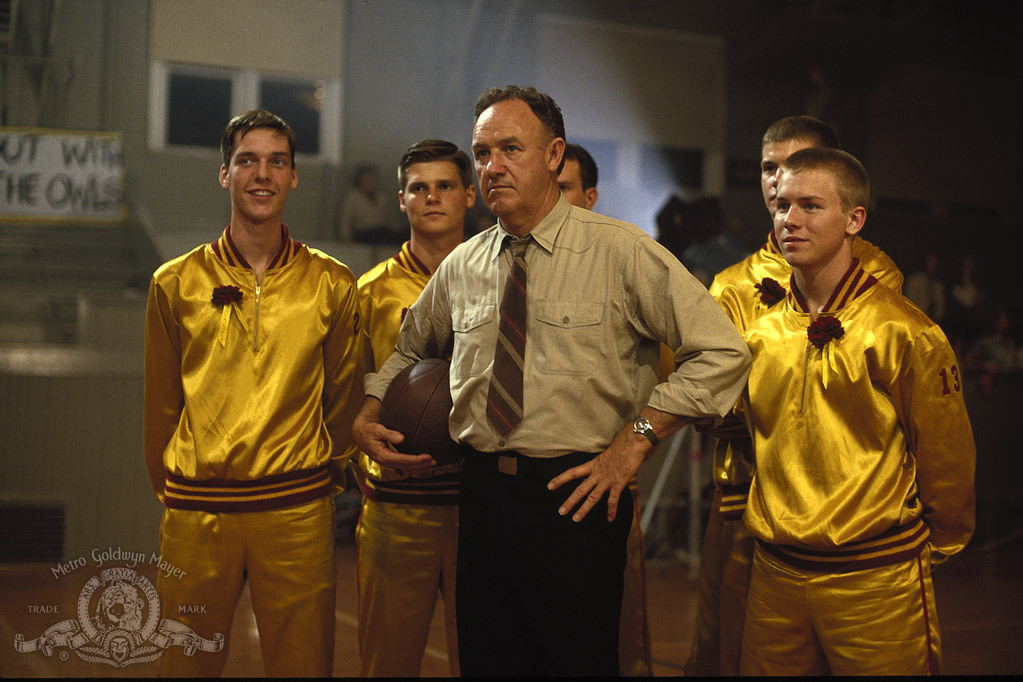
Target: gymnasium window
x: 189, y: 106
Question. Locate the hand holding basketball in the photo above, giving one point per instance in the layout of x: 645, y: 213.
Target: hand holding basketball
x: 417, y: 404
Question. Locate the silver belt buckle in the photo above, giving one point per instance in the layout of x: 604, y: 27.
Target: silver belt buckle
x: 507, y: 465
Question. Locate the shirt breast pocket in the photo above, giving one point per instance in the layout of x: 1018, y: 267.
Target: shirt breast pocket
x: 475, y: 334
x: 568, y: 336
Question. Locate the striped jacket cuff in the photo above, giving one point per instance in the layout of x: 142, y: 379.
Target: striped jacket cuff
x: 733, y: 501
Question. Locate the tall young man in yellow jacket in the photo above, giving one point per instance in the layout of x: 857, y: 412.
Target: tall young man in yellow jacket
x: 253, y: 373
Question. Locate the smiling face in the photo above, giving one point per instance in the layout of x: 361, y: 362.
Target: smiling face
x: 434, y: 198
x: 516, y: 161
x: 811, y: 225
x: 259, y: 176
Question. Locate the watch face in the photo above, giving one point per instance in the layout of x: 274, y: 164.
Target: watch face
x: 642, y: 427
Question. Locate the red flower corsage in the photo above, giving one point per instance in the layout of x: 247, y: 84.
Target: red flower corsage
x: 770, y: 291
x: 823, y: 329
x: 226, y: 295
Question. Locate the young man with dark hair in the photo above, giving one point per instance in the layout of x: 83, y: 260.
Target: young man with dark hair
x: 240, y: 125
x: 408, y: 530
x: 253, y: 373
x: 578, y: 179
x: 554, y: 318
x: 864, y: 452
x: 579, y: 172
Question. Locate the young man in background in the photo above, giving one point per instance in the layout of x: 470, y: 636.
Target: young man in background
x: 407, y: 536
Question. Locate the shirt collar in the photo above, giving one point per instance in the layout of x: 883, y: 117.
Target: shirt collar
x: 545, y: 233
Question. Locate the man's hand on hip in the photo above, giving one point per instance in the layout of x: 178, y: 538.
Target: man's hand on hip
x: 610, y: 471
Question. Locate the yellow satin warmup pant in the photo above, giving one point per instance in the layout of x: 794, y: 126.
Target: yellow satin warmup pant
x: 877, y: 621
x: 407, y: 555
x: 725, y: 560
x: 287, y: 555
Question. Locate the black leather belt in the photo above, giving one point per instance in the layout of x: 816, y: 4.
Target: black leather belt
x: 512, y: 463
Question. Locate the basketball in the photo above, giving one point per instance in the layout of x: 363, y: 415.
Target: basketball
x: 417, y: 405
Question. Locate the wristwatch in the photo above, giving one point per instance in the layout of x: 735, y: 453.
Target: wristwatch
x: 642, y: 427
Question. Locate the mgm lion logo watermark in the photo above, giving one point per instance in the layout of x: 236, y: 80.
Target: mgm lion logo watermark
x: 118, y: 624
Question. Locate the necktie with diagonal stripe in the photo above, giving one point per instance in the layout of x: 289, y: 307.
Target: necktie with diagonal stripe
x: 504, y: 400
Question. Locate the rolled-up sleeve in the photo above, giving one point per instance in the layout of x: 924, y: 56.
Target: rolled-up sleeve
x: 712, y: 360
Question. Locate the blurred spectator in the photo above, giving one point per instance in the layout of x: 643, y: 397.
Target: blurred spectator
x: 962, y: 323
x: 681, y: 223
x: 364, y: 217
x: 996, y: 351
x: 924, y: 288
x: 707, y: 258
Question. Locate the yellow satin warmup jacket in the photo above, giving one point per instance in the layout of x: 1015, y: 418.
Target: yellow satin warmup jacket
x: 250, y: 394
x: 735, y: 288
x: 385, y: 292
x: 864, y: 450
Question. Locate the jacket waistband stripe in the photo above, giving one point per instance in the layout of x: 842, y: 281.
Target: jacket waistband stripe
x: 243, y: 492
x: 272, y: 492
x: 268, y: 504
x: 889, y: 548
x: 266, y: 481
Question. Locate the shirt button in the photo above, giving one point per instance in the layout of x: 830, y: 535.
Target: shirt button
x: 564, y: 320
x: 501, y: 443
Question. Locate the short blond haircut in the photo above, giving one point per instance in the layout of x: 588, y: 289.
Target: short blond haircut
x: 851, y: 179
x: 812, y: 130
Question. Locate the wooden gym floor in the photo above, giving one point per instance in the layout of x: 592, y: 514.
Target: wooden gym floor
x: 979, y: 593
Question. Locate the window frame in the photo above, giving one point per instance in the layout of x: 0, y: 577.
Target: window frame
x: 245, y: 95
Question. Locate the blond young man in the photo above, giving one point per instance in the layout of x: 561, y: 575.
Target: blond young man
x: 746, y: 290
x: 864, y: 452
x: 408, y: 530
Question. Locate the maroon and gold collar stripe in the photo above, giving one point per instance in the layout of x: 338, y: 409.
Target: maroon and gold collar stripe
x: 854, y: 283
x: 408, y: 260
x: 226, y: 250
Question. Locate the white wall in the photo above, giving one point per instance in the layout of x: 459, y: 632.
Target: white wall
x: 636, y: 86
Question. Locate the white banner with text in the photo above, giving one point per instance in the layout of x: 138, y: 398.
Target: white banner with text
x: 60, y: 175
